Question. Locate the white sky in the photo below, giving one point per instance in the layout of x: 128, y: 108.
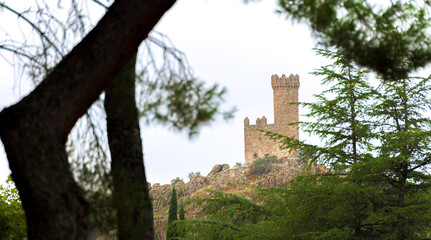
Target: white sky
x: 227, y: 42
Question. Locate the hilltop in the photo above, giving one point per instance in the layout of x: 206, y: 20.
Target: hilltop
x: 238, y: 179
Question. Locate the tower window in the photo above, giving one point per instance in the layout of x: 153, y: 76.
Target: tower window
x: 255, y: 155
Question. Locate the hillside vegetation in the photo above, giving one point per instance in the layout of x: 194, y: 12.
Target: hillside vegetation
x: 240, y: 180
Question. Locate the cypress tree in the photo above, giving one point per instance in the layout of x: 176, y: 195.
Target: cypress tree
x: 171, y: 232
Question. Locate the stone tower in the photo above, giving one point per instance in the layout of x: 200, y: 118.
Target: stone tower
x: 285, y: 91
x: 257, y: 145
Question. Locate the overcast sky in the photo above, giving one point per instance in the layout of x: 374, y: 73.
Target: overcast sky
x: 227, y: 42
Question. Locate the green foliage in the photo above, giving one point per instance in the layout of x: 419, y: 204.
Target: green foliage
x: 332, y: 208
x: 314, y: 206
x: 379, y: 140
x: 182, y: 214
x: 341, y: 114
x: 305, y: 210
x: 228, y: 216
x: 211, y: 230
x: 391, y: 38
x: 238, y: 164
x: 172, y: 231
x: 262, y: 165
x: 12, y: 219
x: 181, y: 223
x: 194, y: 174
x: 229, y: 208
x: 176, y: 180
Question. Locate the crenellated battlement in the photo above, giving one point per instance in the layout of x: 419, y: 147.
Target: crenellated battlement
x: 259, y: 122
x: 285, y: 82
x: 246, y: 121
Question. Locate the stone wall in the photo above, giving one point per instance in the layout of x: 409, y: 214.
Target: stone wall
x: 257, y: 145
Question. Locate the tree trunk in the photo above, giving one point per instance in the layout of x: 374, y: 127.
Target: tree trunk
x: 131, y: 197
x: 34, y: 130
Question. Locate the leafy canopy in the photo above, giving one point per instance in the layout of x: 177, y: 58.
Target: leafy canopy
x: 391, y: 38
x: 12, y: 218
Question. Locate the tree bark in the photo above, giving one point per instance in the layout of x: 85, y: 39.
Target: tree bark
x: 131, y: 196
x: 34, y: 130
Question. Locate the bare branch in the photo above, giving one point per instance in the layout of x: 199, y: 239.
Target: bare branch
x: 42, y: 34
x: 100, y: 3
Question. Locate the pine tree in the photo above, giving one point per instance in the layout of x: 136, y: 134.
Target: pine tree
x: 403, y: 156
x: 388, y: 180
x: 171, y: 232
x: 342, y: 120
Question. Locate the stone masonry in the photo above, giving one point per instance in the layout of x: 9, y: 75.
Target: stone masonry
x: 257, y: 145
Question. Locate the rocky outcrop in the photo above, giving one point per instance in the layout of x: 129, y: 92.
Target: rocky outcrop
x: 218, y: 168
x: 238, y: 180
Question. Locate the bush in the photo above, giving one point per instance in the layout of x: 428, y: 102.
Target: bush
x: 194, y: 174
x: 263, y: 165
x: 175, y: 181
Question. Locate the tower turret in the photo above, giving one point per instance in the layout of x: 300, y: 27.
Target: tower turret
x: 285, y: 91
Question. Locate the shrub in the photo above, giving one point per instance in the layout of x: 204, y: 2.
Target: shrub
x: 262, y: 165
x: 175, y: 181
x: 194, y: 174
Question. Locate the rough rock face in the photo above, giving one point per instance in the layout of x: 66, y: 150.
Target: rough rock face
x: 218, y: 168
x: 222, y: 178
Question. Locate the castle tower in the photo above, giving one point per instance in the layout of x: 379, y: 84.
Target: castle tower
x: 285, y: 91
x: 257, y: 145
